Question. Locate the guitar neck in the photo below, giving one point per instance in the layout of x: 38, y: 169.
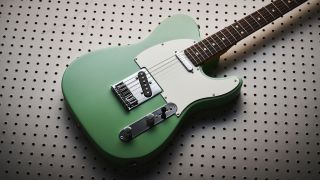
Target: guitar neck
x: 229, y: 36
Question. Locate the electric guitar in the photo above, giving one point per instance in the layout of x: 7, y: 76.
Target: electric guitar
x: 131, y: 99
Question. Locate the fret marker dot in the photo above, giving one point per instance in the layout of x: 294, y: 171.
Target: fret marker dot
x: 289, y: 1
x: 237, y: 26
x: 259, y: 18
x: 242, y: 32
x: 197, y: 53
x: 213, y: 44
x: 222, y: 38
x: 272, y: 10
x: 205, y: 49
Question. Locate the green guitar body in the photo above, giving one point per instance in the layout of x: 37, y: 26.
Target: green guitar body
x: 87, y: 90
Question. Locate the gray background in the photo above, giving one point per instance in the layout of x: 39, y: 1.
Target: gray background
x: 270, y: 132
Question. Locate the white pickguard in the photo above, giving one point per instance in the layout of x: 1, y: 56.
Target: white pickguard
x: 180, y: 86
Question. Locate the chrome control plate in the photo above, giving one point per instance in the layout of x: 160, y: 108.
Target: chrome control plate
x: 142, y: 125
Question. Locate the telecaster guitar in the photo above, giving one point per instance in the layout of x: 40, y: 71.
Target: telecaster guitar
x: 131, y: 99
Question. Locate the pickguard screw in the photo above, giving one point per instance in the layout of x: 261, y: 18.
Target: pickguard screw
x: 213, y: 95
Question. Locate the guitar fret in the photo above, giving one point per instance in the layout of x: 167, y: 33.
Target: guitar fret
x: 196, y: 54
x: 208, y: 44
x: 267, y: 15
x: 217, y: 41
x: 198, y: 51
x: 221, y: 39
x: 244, y: 25
x: 231, y: 34
x: 236, y: 30
x: 192, y: 55
x: 279, y: 4
x: 189, y: 55
x: 285, y: 4
x: 269, y: 12
x: 205, y: 49
x: 277, y: 8
x: 273, y: 10
x: 225, y: 36
x: 255, y: 20
x: 262, y: 16
x: 289, y: 3
x: 245, y: 20
x: 242, y: 28
x: 206, y: 39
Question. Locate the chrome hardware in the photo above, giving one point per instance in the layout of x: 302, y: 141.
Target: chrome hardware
x: 142, y: 125
x: 185, y: 61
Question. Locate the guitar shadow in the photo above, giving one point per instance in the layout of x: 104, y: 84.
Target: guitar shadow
x: 206, y: 118
x: 265, y: 37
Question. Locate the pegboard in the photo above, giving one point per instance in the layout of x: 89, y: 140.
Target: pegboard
x: 270, y: 132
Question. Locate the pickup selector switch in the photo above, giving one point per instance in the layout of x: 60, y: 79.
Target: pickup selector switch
x: 163, y: 112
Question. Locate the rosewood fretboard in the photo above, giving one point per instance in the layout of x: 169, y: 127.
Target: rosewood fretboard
x: 222, y: 40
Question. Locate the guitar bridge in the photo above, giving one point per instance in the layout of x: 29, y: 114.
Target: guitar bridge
x: 136, y: 89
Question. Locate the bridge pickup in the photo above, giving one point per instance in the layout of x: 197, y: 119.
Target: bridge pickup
x: 147, y: 122
x: 136, y: 89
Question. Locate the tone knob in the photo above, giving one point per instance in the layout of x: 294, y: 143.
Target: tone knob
x: 150, y: 120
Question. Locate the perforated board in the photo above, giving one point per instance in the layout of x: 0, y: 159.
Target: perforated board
x: 270, y: 132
